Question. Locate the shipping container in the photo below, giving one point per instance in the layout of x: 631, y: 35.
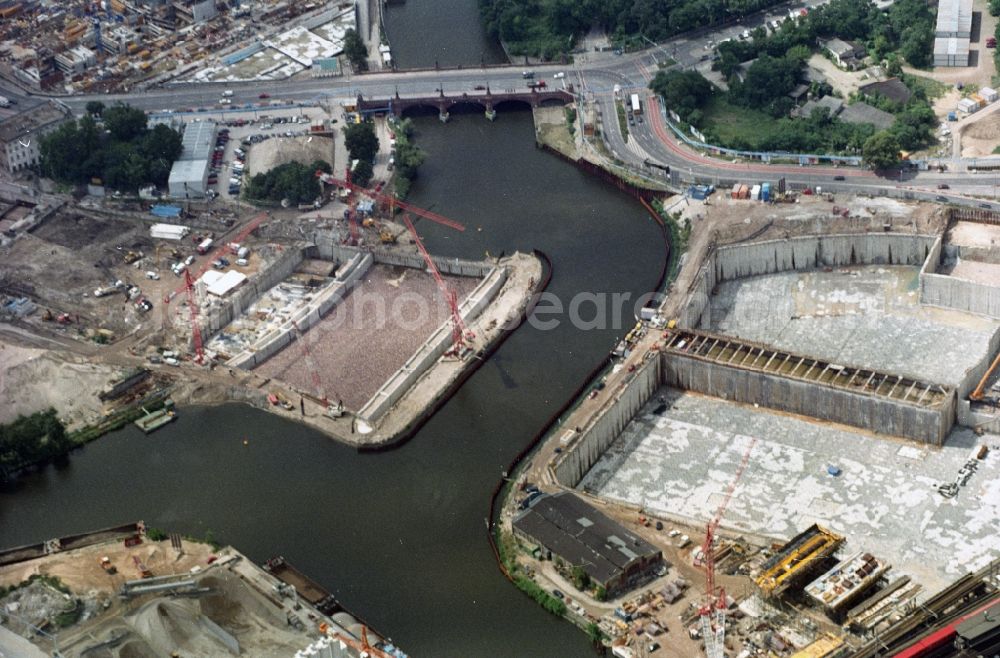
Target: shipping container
x: 205, y: 246
x: 765, y: 192
x: 755, y: 193
x: 736, y: 191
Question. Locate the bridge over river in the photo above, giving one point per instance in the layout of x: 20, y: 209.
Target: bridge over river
x: 485, y: 98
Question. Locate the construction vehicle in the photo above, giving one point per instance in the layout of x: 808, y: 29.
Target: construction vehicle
x: 386, y: 236
x: 109, y: 568
x: 132, y: 256
x: 141, y: 567
x: 977, y: 394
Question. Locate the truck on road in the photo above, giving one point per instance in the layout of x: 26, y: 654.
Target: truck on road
x: 4, y: 101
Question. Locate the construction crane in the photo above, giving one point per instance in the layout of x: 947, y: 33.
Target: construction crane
x: 334, y: 411
x: 713, y: 610
x: 363, y: 647
x: 246, y: 230
x: 459, y: 332
x: 238, y: 239
x: 391, y: 199
x: 199, y: 349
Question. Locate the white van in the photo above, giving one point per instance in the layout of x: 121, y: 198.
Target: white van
x: 152, y: 275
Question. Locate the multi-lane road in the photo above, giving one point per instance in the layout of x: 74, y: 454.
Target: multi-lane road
x: 595, y: 77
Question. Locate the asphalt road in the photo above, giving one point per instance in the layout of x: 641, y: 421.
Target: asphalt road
x: 596, y: 78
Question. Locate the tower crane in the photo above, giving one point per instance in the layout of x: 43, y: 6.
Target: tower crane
x: 713, y: 610
x: 363, y: 646
x: 334, y: 410
x: 199, y: 349
x: 459, y: 332
x: 237, y: 239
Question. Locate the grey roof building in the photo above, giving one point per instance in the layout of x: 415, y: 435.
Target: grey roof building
x: 893, y: 89
x: 20, y: 134
x: 189, y: 175
x: 864, y: 113
x: 831, y: 103
x: 579, y: 535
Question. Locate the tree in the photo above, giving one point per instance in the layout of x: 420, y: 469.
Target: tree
x: 581, y: 580
x: 881, y: 150
x: 125, y: 122
x: 362, y: 174
x: 684, y: 92
x: 355, y: 49
x: 294, y: 181
x: 95, y: 108
x: 361, y: 142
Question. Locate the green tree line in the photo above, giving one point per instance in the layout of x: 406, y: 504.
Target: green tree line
x: 31, y: 440
x: 121, y: 151
x: 550, y: 28
x: 295, y: 181
x: 408, y: 156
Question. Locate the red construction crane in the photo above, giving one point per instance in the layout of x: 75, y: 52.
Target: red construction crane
x: 459, y: 332
x: 389, y: 198
x: 713, y: 611
x: 247, y: 230
x: 199, y: 349
x: 239, y: 237
x: 310, y: 364
x: 363, y: 647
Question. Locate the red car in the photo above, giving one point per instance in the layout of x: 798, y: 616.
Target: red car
x: 991, y: 42
x: 263, y: 96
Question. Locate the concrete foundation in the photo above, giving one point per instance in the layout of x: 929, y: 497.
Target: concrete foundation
x: 954, y: 292
x: 432, y: 349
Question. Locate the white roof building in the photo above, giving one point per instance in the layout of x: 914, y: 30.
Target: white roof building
x: 219, y: 284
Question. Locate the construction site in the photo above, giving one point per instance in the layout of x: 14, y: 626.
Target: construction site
x: 122, y: 592
x: 807, y: 425
x: 339, y: 318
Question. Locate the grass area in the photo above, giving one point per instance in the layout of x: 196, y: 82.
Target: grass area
x: 932, y: 88
x: 558, y: 137
x: 729, y: 122
x: 622, y: 120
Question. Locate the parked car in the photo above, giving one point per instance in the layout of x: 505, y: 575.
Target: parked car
x: 991, y: 42
x: 264, y: 95
x: 839, y: 178
x: 944, y: 186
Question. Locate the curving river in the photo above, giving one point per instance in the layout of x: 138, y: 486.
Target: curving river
x: 400, y: 537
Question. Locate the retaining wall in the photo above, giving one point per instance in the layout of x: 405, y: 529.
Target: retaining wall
x: 952, y: 292
x: 310, y: 314
x: 800, y: 253
x: 929, y: 425
x: 588, y: 445
x: 427, y: 354
x: 222, y: 312
x: 329, y: 249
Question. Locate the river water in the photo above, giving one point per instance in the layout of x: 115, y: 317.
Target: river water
x: 399, y: 537
x: 423, y: 33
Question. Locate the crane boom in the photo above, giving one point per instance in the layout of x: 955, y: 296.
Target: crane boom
x: 391, y: 199
x: 199, y: 349
x: 459, y: 332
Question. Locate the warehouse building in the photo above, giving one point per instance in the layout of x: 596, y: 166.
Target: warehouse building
x: 952, y: 33
x: 580, y: 536
x: 189, y: 175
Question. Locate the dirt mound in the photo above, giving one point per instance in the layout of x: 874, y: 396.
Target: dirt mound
x: 177, y: 625
x: 230, y: 605
x: 987, y: 128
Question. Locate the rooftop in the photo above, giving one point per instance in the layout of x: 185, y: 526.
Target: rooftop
x: 893, y: 89
x: 954, y: 18
x: 198, y: 140
x: 583, y: 536
x: 31, y: 119
x: 865, y: 113
x: 831, y: 103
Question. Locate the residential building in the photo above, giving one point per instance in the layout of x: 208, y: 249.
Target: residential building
x: 20, y: 134
x: 580, y: 536
x: 846, y: 54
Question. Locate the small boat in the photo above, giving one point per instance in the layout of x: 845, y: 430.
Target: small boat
x: 153, y: 421
x: 272, y: 398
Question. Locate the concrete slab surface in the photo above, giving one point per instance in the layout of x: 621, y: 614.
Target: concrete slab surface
x: 866, y: 316
x: 369, y: 335
x: 885, y: 501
